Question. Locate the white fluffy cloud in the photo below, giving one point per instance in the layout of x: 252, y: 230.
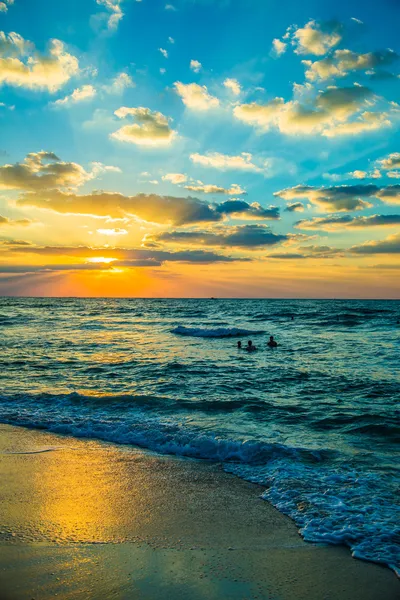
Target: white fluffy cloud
x: 333, y: 112
x: 119, y: 84
x: 316, y: 38
x: 4, y: 6
x: 233, y: 85
x: 343, y: 62
x: 164, y: 52
x: 225, y: 162
x: 150, y: 129
x: 22, y: 66
x: 233, y: 190
x: 175, y: 178
x: 114, y: 12
x: 86, y: 92
x: 195, y: 65
x: 278, y: 47
x: 196, y: 96
x: 390, y: 162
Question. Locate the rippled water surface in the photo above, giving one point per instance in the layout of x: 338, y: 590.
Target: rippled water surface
x: 315, y: 421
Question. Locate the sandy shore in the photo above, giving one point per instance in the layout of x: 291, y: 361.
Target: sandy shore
x: 81, y: 519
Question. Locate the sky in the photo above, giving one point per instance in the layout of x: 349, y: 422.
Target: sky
x: 227, y: 148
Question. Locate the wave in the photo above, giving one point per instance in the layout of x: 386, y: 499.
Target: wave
x: 74, y: 414
x: 219, y: 332
x: 320, y: 489
x: 334, y: 505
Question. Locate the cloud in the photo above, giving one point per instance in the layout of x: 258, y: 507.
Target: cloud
x: 164, y: 52
x: 196, y: 96
x: 316, y: 38
x: 123, y: 257
x: 390, y: 194
x: 41, y: 171
x: 148, y: 207
x: 25, y: 269
x: 327, y: 114
x: 391, y: 245
x: 151, y: 127
x: 367, y: 121
x: 337, y: 198
x: 278, y: 47
x: 234, y: 190
x: 4, y: 6
x: 244, y: 210
x: 22, y: 66
x: 195, y: 65
x: 242, y: 236
x: 233, y: 85
x: 114, y: 14
x: 295, y: 207
x: 308, y: 252
x: 5, y: 221
x: 98, y: 168
x: 86, y: 92
x: 342, y: 62
x: 119, y: 84
x: 175, y: 178
x: 170, y: 7
x: 336, y: 223
x: 390, y: 162
x: 357, y: 174
x: 225, y: 162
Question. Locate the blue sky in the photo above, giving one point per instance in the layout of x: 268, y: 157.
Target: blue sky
x: 287, y: 105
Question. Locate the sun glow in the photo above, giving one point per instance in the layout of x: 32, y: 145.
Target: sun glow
x: 101, y: 259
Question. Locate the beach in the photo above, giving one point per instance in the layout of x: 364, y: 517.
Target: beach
x: 88, y: 519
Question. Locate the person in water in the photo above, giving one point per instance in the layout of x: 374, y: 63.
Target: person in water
x: 272, y: 343
x: 239, y: 345
x: 250, y: 347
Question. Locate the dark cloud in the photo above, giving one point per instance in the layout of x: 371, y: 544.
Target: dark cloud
x: 339, y: 198
x: 295, y: 207
x: 149, y: 207
x: 246, y: 210
x: 287, y: 255
x: 42, y: 171
x: 125, y: 256
x: 244, y: 236
x: 334, y: 222
x: 390, y: 194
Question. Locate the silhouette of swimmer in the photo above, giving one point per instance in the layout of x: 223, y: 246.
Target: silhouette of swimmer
x: 292, y: 318
x: 272, y: 343
x: 250, y: 347
x: 239, y: 345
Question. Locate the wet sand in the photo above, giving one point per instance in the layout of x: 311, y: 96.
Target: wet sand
x: 80, y: 519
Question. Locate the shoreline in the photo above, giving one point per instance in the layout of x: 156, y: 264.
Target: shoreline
x: 82, y: 518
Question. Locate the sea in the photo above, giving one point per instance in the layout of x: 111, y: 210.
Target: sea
x: 315, y: 421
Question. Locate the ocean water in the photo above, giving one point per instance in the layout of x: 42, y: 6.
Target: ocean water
x: 315, y: 421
